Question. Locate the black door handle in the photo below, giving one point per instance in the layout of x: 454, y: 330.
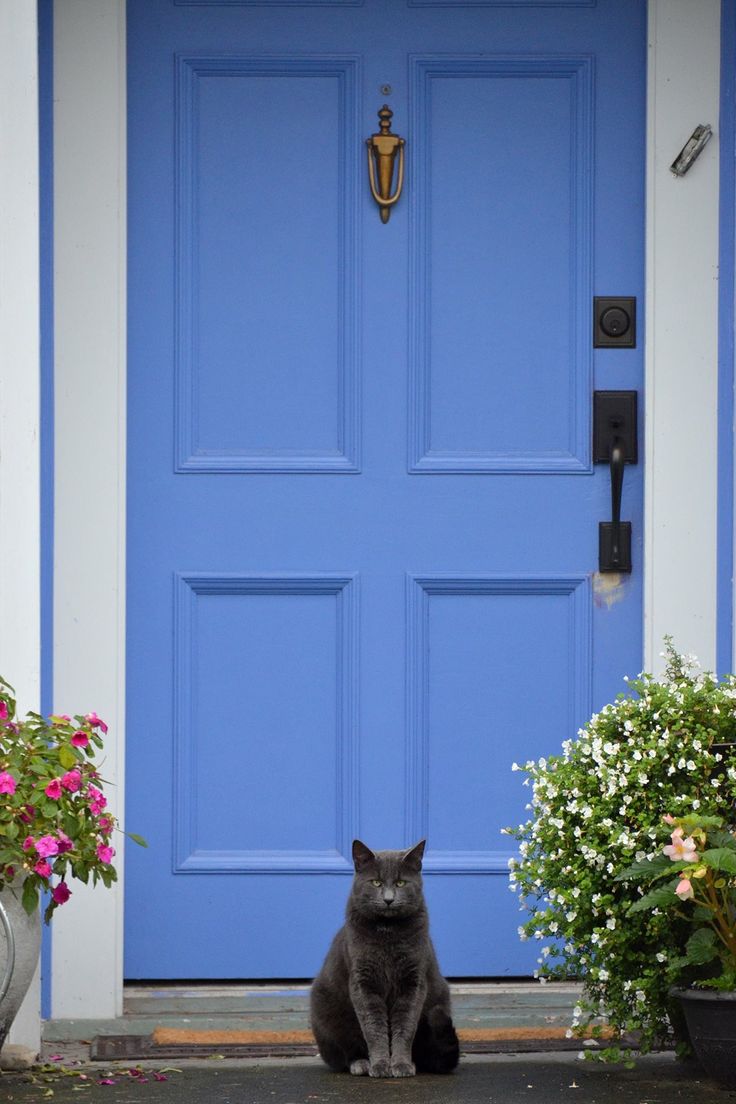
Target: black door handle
x: 614, y: 443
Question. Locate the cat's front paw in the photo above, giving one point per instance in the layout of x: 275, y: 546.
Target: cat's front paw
x: 359, y: 1068
x: 380, y: 1068
x: 403, y: 1069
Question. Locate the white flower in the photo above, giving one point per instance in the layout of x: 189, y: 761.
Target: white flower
x: 691, y: 765
x: 611, y: 923
x: 570, y: 916
x: 603, y: 975
x: 661, y: 957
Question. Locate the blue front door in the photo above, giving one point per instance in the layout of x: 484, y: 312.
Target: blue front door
x: 363, y: 515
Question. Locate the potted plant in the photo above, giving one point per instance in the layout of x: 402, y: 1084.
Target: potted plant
x: 693, y: 879
x: 595, y: 810
x: 54, y: 826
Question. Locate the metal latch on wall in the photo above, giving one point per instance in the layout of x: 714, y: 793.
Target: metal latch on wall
x: 615, y: 444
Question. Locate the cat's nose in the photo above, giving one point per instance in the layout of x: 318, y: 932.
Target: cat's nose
x: 388, y: 897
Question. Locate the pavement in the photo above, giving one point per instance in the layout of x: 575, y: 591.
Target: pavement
x: 480, y: 1079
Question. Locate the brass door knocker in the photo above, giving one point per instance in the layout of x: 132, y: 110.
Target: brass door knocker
x: 382, y: 150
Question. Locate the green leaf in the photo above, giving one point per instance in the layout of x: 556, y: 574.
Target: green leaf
x: 67, y: 758
x: 12, y: 829
x: 661, y: 897
x: 720, y: 858
x: 700, y: 947
x: 30, y: 896
x: 137, y: 839
x: 648, y: 868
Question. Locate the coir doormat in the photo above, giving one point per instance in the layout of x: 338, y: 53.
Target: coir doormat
x: 167, y: 1042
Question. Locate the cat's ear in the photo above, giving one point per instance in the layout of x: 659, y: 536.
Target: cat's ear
x: 362, y: 855
x: 413, y: 857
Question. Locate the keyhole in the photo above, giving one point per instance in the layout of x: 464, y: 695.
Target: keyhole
x: 386, y: 90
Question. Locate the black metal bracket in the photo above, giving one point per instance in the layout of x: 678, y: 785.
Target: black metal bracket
x: 615, y: 443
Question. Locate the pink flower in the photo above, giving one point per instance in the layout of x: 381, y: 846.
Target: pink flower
x: 71, y: 781
x: 53, y: 789
x: 61, y: 893
x: 104, y: 824
x: 65, y: 844
x: 80, y: 739
x: 94, y: 720
x: 7, y: 783
x: 685, y: 889
x: 104, y: 853
x: 47, y: 846
x: 28, y: 814
x: 43, y: 868
x: 668, y: 818
x: 98, y: 801
x: 4, y: 711
x: 9, y: 872
x: 28, y: 843
x: 681, y: 850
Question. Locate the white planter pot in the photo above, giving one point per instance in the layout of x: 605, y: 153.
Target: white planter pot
x: 20, y: 941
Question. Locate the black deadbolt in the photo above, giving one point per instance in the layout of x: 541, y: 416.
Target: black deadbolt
x: 614, y: 322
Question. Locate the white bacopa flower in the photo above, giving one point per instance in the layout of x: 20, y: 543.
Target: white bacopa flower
x: 570, y: 916
x: 660, y: 956
x: 691, y: 765
x: 611, y: 923
x: 522, y: 934
x: 603, y: 975
x: 715, y: 782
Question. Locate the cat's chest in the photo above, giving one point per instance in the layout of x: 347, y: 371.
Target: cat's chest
x: 384, y: 964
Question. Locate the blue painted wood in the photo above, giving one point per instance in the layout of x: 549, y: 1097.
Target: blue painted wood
x: 362, y: 514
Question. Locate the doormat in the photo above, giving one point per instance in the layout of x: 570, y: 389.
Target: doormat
x: 167, y: 1043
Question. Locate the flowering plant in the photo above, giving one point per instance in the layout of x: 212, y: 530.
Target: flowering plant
x: 596, y: 809
x: 54, y: 820
x: 702, y: 857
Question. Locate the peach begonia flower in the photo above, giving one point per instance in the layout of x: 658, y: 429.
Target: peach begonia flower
x: 685, y: 890
x: 681, y: 850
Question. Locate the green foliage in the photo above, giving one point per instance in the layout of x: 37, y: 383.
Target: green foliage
x: 595, y: 825
x: 54, y: 822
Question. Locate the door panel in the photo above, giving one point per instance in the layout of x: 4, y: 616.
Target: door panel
x: 363, y: 518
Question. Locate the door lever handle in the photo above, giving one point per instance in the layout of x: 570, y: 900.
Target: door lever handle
x: 614, y: 443
x: 619, y: 544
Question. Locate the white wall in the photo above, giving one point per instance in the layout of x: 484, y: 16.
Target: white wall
x: 20, y: 609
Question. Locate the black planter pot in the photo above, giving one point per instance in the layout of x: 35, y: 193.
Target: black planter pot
x: 711, y: 1023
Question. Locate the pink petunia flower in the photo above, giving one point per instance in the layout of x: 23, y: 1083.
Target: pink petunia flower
x: 104, y: 824
x: 61, y: 893
x: 105, y: 853
x: 43, y: 868
x: 53, y: 789
x: 7, y: 783
x: 98, y: 801
x: 681, y: 850
x: 4, y: 714
x: 94, y: 720
x: 28, y: 843
x: 80, y: 739
x: 47, y: 846
x: 71, y: 781
x: 65, y: 844
x: 684, y: 889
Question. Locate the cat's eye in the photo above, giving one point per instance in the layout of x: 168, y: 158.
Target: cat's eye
x: 400, y: 883
x: 376, y: 882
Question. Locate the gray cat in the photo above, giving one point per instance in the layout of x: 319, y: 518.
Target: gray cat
x: 380, y: 1005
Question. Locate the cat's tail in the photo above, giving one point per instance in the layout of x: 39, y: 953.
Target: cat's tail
x: 435, y: 1048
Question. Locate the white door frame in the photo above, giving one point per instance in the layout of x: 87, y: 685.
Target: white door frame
x: 90, y: 311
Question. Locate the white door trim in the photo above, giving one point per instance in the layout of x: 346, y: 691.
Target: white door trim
x: 90, y: 427
x: 90, y: 276
x: 681, y: 397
